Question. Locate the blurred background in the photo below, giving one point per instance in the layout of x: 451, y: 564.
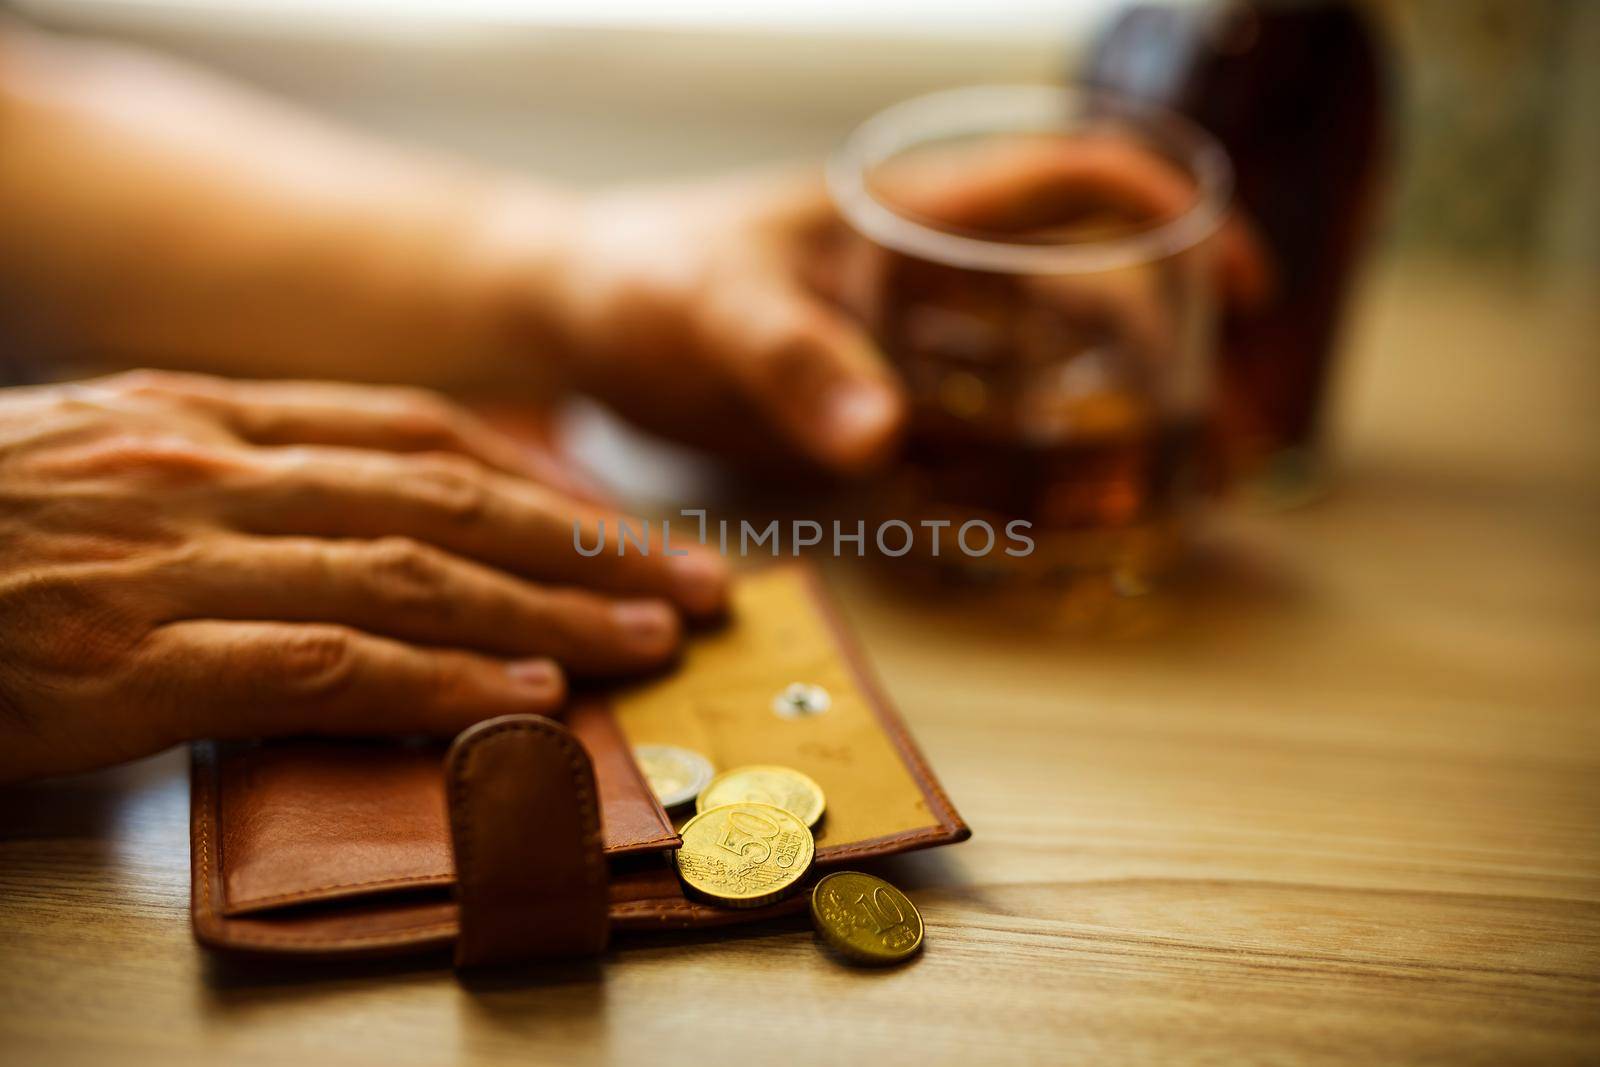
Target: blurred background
x: 1498, y: 92
x: 1486, y: 243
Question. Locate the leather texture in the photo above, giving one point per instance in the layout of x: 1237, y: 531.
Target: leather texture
x: 312, y: 821
x: 530, y: 871
x: 328, y: 848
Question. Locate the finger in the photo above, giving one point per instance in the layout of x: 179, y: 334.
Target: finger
x: 1248, y: 275
x: 400, y: 588
x: 536, y: 432
x: 1032, y: 183
x: 392, y: 418
x: 812, y: 372
x: 470, y: 511
x: 227, y: 679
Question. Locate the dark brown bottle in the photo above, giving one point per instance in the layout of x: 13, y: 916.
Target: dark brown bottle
x: 1297, y: 91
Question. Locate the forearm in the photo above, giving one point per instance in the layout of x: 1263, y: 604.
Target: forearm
x: 150, y: 214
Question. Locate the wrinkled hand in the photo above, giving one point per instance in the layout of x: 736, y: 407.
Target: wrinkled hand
x: 187, y: 557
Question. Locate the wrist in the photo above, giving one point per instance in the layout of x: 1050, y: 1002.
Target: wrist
x: 524, y: 251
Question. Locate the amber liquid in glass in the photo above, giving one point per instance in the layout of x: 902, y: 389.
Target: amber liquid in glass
x: 1061, y: 401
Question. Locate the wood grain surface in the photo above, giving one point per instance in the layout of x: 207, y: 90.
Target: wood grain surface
x: 1334, y: 798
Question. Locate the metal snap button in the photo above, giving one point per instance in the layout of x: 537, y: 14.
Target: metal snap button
x: 800, y: 700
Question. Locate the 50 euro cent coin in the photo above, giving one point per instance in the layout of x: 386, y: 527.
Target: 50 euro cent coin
x: 745, y: 854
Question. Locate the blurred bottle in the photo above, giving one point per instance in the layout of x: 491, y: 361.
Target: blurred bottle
x: 1297, y: 91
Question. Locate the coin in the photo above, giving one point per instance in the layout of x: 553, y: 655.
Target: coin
x: 676, y: 775
x: 744, y: 854
x: 766, y: 784
x: 865, y: 919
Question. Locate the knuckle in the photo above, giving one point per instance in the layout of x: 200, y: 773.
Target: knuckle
x: 87, y: 526
x: 453, y: 486
x: 140, y: 380
x: 571, y: 621
x: 316, y: 661
x: 163, y: 459
x: 87, y: 628
x: 15, y: 715
x: 168, y: 563
x: 425, y: 407
x: 792, y: 357
x: 798, y: 358
x: 145, y: 381
x: 445, y: 680
x: 427, y: 423
x: 76, y: 403
x: 410, y: 576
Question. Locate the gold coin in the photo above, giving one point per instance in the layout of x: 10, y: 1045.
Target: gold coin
x: 865, y: 919
x: 676, y: 775
x: 744, y: 855
x: 784, y: 787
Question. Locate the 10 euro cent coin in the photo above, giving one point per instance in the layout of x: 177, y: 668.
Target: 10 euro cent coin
x: 865, y: 919
x: 744, y: 855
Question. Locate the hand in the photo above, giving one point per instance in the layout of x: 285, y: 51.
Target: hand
x: 689, y: 311
x: 729, y: 314
x: 186, y: 557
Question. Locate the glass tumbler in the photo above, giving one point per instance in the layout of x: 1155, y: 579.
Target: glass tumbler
x: 1038, y: 266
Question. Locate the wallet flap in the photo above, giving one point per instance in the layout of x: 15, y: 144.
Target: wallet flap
x: 525, y: 830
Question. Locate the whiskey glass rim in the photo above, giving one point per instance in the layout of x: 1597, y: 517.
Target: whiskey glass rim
x: 1039, y: 108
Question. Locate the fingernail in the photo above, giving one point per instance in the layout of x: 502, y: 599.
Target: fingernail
x: 859, y: 420
x: 649, y: 625
x: 700, y: 582
x: 539, y: 676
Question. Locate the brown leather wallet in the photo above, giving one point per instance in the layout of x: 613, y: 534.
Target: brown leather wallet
x: 528, y: 838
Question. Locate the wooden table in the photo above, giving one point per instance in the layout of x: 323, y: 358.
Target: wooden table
x: 1337, y: 798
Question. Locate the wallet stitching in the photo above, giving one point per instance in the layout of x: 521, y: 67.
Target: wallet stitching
x: 879, y: 843
x: 403, y: 936
x: 202, y: 892
x: 440, y: 878
x: 650, y: 907
x: 408, y: 935
x: 582, y: 785
x: 890, y: 721
x: 650, y: 844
